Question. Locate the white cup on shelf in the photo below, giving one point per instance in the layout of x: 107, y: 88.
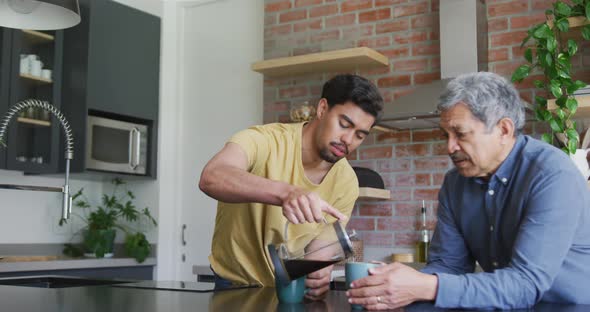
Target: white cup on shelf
x: 36, y: 68
x: 25, y: 65
x: 46, y: 74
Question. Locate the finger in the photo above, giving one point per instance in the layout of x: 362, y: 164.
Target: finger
x: 288, y: 213
x: 334, y: 212
x: 371, y: 280
x: 317, y: 282
x: 365, y: 292
x: 304, y: 207
x: 297, y: 211
x: 317, y: 293
x: 315, y: 203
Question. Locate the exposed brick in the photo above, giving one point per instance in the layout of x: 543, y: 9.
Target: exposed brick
x: 377, y: 239
x: 411, y: 9
x: 394, y: 137
x: 303, y: 3
x: 329, y: 9
x: 379, y: 3
x: 277, y: 6
x: 427, y: 194
x: 270, y: 20
x: 307, y: 25
x: 509, y: 38
x: 402, y: 92
x: 508, y: 8
x: 361, y: 224
x: 438, y: 178
x: 542, y: 4
x: 357, y: 31
x: 411, y: 37
x: 325, y: 35
x: 406, y: 239
x: 495, y: 55
x: 307, y: 50
x: 280, y: 106
x: 435, y: 63
x: 395, y: 224
x: 439, y: 149
x: 411, y: 209
x: 292, y: 16
x: 352, y: 156
x: 375, y: 43
x: 277, y: 30
x: 401, y: 194
x: 422, y: 78
x: 393, y: 165
x: 374, y: 15
x: 427, y: 135
x: 527, y: 21
x: 497, y: 24
x: 396, y: 53
x: 392, y: 81
x: 434, y: 5
x: 408, y: 150
x: 415, y: 65
x: 434, y: 163
x: 355, y: 5
x: 426, y: 49
x: 420, y: 179
x: 389, y: 27
x: 425, y: 21
x: 382, y: 209
x: 375, y: 152
x: 292, y: 92
x: 506, y: 68
x: 340, y: 20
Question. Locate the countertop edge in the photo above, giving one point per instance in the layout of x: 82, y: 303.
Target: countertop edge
x: 73, y: 264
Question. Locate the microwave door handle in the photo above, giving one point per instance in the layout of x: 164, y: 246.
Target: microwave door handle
x: 134, y: 147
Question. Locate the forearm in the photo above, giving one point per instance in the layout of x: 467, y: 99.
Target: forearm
x: 234, y: 185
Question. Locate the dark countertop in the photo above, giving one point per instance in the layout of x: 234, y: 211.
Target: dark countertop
x: 106, y: 298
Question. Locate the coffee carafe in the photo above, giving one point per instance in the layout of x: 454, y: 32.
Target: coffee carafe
x: 310, y: 252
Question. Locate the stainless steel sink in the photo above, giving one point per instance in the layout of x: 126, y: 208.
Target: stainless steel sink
x: 56, y: 281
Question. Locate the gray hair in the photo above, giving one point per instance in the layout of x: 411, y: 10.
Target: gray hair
x: 490, y: 97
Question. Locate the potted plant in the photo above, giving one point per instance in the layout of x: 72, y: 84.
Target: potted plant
x: 103, y: 220
x: 551, y: 54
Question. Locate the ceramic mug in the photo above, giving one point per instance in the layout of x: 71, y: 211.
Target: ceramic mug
x: 355, y: 271
x: 292, y: 292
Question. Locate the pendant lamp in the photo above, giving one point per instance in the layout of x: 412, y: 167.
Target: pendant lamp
x: 39, y: 15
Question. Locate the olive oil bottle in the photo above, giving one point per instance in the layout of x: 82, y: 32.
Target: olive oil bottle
x: 424, y: 240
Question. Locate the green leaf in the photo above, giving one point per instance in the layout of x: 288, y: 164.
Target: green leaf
x: 578, y: 2
x: 551, y: 44
x: 572, y: 105
x: 572, y: 47
x: 555, y: 126
x: 539, y: 84
x: 541, y: 101
x: 572, y: 135
x: 587, y: 11
x: 560, y: 102
x: 575, y: 86
x: 547, y: 115
x: 562, y: 24
x: 560, y: 113
x: 546, y: 137
x: 137, y: 246
x: 548, y: 59
x: 528, y: 55
x: 542, y: 32
x: 586, y: 30
x: 572, y: 146
x: 521, y: 72
x: 555, y: 89
x: 562, y: 9
x: 548, y: 12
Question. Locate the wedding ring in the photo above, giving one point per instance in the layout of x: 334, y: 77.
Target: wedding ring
x: 378, y: 299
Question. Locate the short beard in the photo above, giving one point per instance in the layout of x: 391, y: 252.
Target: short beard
x: 326, y: 155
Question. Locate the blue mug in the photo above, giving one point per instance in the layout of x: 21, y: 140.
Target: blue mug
x: 292, y: 292
x: 355, y: 271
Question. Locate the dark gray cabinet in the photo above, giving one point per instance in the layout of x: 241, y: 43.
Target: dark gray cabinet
x: 111, y: 69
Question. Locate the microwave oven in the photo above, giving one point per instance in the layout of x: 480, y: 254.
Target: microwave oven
x: 116, y: 146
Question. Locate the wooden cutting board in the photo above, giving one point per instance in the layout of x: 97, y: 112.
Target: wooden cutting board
x: 27, y: 258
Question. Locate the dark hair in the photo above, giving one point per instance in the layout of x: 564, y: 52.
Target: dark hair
x: 356, y: 89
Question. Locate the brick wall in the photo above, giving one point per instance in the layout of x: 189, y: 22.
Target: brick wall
x: 412, y: 163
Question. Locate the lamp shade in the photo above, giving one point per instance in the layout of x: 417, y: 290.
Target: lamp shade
x: 39, y: 15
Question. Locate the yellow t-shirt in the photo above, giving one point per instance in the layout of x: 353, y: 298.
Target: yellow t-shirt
x: 243, y: 231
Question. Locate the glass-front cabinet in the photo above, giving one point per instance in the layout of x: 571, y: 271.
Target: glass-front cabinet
x: 34, y: 65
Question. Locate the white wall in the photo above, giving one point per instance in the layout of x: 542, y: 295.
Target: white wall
x: 153, y: 7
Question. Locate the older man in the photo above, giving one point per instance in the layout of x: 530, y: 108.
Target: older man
x: 514, y: 204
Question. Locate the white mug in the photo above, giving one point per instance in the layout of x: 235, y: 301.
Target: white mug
x: 36, y: 67
x: 25, y: 65
x: 46, y: 74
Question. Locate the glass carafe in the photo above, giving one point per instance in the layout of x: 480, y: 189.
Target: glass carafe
x: 309, y: 252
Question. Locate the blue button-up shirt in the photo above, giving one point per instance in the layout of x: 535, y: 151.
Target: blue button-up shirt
x: 528, y: 227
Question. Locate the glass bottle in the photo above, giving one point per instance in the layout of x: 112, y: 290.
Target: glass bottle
x: 424, y: 240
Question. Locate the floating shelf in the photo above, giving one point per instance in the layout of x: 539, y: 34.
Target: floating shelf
x: 37, y: 37
x: 575, y: 30
x: 336, y: 60
x: 36, y: 79
x: 373, y: 193
x: 583, y: 106
x: 37, y: 122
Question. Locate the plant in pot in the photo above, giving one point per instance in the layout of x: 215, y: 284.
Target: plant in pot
x: 551, y: 52
x: 116, y: 211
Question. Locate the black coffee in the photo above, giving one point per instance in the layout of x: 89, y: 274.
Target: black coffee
x: 301, y: 267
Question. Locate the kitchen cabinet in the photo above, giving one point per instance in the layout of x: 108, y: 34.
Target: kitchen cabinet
x: 32, y: 137
x: 111, y: 69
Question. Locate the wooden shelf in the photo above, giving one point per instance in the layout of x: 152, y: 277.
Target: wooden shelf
x: 583, y: 106
x: 37, y: 37
x: 337, y: 60
x: 36, y: 79
x: 34, y: 121
x: 575, y: 30
x: 373, y: 193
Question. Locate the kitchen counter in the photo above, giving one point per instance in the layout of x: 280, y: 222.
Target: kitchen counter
x: 72, y: 263
x: 106, y: 298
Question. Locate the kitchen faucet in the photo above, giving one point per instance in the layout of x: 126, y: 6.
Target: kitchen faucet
x: 69, y: 154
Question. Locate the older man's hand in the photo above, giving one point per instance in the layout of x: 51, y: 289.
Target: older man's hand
x: 318, y: 283
x: 392, y: 286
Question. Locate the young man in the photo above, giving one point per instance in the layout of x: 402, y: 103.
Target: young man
x: 516, y: 205
x: 268, y: 175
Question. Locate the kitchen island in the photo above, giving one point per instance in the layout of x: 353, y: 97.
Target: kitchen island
x: 108, y: 298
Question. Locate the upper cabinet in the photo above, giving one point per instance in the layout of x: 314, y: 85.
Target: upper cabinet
x: 329, y: 61
x: 31, y: 66
x: 111, y: 70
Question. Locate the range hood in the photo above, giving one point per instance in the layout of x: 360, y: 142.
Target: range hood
x: 463, y: 49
